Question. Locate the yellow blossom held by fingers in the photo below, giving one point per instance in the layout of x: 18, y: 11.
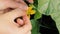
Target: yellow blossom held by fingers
x: 30, y: 11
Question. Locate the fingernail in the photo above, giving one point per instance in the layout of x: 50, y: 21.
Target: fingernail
x: 30, y: 1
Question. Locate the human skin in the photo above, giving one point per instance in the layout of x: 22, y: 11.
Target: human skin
x: 7, y: 24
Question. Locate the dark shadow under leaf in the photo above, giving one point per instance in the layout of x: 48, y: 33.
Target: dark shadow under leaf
x: 47, y: 25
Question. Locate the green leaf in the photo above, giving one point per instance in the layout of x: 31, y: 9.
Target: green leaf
x: 54, y: 10
x: 42, y: 6
x: 33, y: 23
x: 35, y: 27
x: 37, y: 15
x: 50, y: 7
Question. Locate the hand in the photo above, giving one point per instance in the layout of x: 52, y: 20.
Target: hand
x: 13, y: 4
x: 5, y: 4
x: 8, y: 26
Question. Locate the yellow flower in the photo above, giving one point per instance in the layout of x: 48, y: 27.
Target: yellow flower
x: 30, y: 11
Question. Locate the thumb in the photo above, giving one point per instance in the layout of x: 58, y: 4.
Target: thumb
x: 10, y: 16
x: 27, y: 27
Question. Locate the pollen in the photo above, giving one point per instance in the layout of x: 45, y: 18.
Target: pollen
x: 30, y: 11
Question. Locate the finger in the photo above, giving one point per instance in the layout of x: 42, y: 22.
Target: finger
x: 27, y: 27
x: 11, y: 4
x: 20, y: 22
x: 30, y: 1
x: 21, y: 1
x: 18, y: 5
x: 13, y: 14
x: 28, y: 32
x: 3, y: 4
x: 1, y: 12
x: 27, y: 21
